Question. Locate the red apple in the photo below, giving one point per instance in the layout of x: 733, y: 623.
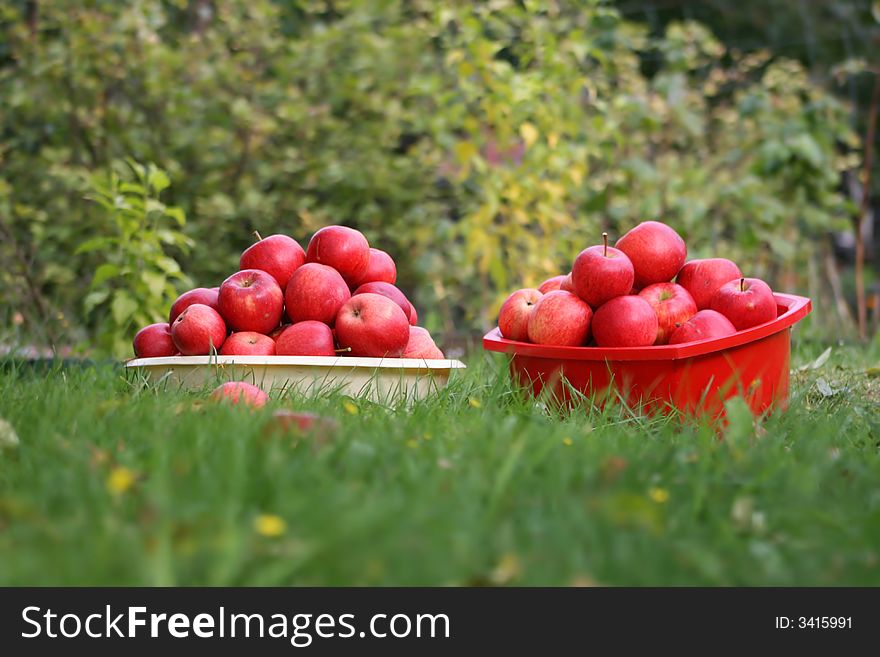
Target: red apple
x: 198, y: 330
x: 205, y: 295
x: 234, y: 392
x: 277, y: 255
x: 278, y: 331
x: 386, y: 290
x: 746, y: 302
x: 702, y: 278
x: 308, y: 338
x: 372, y: 325
x: 567, y: 285
x: 560, y: 318
x: 627, y: 321
x: 381, y: 267
x: 285, y: 421
x: 421, y: 345
x: 702, y: 326
x: 413, y: 315
x: 345, y: 249
x: 672, y: 304
x: 248, y: 343
x: 154, y: 341
x: 513, y: 318
x: 251, y: 300
x: 657, y: 252
x: 601, y: 273
x: 551, y: 284
x: 315, y: 292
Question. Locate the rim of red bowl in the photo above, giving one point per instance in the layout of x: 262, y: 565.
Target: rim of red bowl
x: 790, y: 309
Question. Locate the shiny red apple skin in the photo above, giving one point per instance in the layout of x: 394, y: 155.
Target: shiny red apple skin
x: 560, y: 318
x: 656, y: 251
x: 672, y: 304
x: 745, y: 302
x: 706, y: 324
x: 248, y: 343
x: 251, y: 300
x: 240, y: 392
x: 627, y: 321
x: 703, y: 277
x: 421, y: 345
x: 154, y: 341
x: 413, y: 316
x: 208, y: 296
x: 601, y: 273
x: 513, y: 318
x: 277, y: 255
x: 386, y: 290
x: 381, y: 268
x: 308, y: 338
x: 567, y: 285
x: 552, y: 284
x: 373, y: 326
x: 343, y: 248
x: 315, y: 292
x: 198, y: 330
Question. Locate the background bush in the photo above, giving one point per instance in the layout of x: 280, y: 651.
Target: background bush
x: 482, y: 146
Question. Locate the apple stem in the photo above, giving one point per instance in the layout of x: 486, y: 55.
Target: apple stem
x: 605, y: 239
x: 339, y: 351
x: 742, y: 285
x: 258, y: 236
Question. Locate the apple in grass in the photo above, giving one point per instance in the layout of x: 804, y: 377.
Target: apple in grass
x: 372, y: 325
x: 702, y: 326
x: 551, y: 284
x: 277, y: 255
x: 345, y: 249
x: 380, y: 267
x: 421, y: 345
x: 560, y: 318
x: 627, y: 321
x: 315, y: 292
x: 513, y: 318
x: 248, y: 343
x: 601, y: 273
x: 308, y: 338
x: 656, y: 251
x: 208, y: 296
x: 251, y: 300
x: 235, y: 392
x: 672, y: 304
x: 198, y: 330
x: 746, y: 302
x: 154, y: 341
x: 703, y: 277
x: 386, y: 290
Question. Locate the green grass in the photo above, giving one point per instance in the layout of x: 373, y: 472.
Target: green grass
x: 478, y: 486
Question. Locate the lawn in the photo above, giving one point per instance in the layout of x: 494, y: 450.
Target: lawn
x: 117, y: 483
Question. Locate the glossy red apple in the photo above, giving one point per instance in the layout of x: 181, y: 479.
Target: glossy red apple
x: 248, y: 343
x: 421, y: 345
x: 386, y: 290
x: 198, y: 330
x: 251, y: 300
x: 154, y: 341
x: 277, y: 255
x: 381, y: 267
x: 308, y: 338
x: 372, y: 325
x: 235, y: 392
x: 552, y: 284
x: 413, y: 315
x: 345, y: 249
x: 560, y: 318
x: 657, y: 252
x: 601, y: 273
x: 672, y: 304
x: 567, y: 285
x: 702, y: 278
x: 704, y: 325
x: 627, y: 321
x: 513, y: 318
x: 746, y: 302
x: 315, y: 292
x: 205, y: 295
x: 278, y: 331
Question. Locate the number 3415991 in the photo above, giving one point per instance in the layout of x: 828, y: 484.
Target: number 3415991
x: 814, y: 622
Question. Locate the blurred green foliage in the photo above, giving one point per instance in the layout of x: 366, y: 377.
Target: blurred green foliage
x: 483, y: 146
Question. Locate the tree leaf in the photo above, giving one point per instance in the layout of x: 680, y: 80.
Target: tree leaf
x: 104, y: 272
x: 122, y: 307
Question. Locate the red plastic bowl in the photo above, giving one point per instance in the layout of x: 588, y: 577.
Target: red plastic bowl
x: 693, y: 377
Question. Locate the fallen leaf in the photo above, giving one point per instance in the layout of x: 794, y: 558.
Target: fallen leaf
x: 8, y: 438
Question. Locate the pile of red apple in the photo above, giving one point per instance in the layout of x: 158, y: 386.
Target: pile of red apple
x: 336, y: 298
x: 623, y: 296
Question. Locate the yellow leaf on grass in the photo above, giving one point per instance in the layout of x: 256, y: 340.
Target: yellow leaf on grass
x: 269, y: 525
